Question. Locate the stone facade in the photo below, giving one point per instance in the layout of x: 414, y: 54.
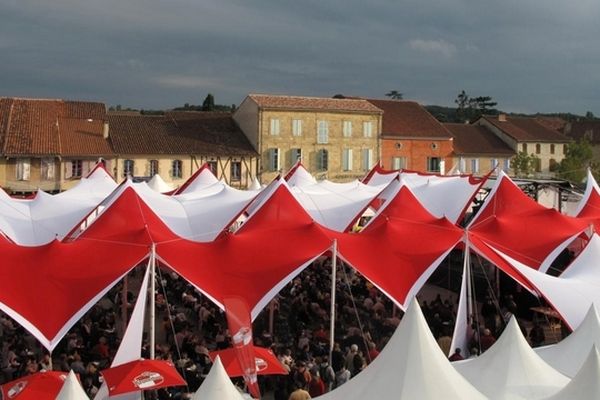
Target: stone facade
x: 331, y: 142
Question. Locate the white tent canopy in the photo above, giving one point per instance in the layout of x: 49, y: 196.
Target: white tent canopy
x: 217, y: 385
x: 576, y: 290
x: 510, y: 369
x: 568, y: 355
x: 585, y: 385
x: 72, y: 389
x: 48, y: 217
x: 159, y: 185
x: 412, y: 366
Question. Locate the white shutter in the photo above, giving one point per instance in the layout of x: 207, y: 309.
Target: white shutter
x: 68, y: 169
x: 367, y: 159
x: 26, y: 170
x: 347, y: 159
x: 87, y: 167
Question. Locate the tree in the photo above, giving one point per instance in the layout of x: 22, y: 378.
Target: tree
x: 578, y: 158
x: 209, y: 103
x: 471, y: 108
x: 524, y: 164
x: 462, y: 106
x: 589, y: 115
x: 394, y: 95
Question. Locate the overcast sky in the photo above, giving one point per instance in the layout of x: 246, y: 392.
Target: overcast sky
x: 529, y: 55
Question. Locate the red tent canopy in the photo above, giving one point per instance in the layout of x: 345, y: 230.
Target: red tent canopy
x: 272, y: 246
x: 401, y: 247
x: 266, y: 362
x: 589, y: 207
x: 40, y: 386
x: 512, y: 222
x: 139, y: 375
x: 48, y: 288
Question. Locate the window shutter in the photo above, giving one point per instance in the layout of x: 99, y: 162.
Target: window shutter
x: 26, y: 170
x: 68, y: 169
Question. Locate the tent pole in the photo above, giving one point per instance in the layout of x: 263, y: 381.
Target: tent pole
x: 152, y: 301
x: 124, y: 304
x: 469, y: 287
x: 333, y: 279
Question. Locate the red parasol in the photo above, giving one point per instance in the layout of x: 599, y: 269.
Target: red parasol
x: 40, y: 386
x: 141, y: 375
x: 266, y: 362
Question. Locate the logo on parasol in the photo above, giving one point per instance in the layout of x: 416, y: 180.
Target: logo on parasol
x: 16, y: 389
x: 148, y: 379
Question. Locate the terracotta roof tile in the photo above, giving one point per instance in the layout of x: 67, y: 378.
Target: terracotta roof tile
x: 477, y: 139
x: 524, y: 129
x: 52, y: 127
x: 555, y: 123
x: 313, y: 103
x: 205, y: 133
x: 409, y: 119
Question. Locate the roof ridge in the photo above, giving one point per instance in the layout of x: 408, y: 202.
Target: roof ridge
x: 306, y: 97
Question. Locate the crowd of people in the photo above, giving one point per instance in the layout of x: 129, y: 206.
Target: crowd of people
x: 295, y: 326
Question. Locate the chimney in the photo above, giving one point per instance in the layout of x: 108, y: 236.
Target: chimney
x: 502, y: 117
x: 105, y: 130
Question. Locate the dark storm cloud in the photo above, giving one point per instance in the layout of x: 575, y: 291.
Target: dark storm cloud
x: 538, y: 55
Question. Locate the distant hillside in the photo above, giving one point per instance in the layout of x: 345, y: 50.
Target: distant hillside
x: 448, y: 114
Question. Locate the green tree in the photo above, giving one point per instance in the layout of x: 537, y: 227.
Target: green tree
x: 394, y: 95
x: 469, y: 109
x: 578, y: 158
x: 589, y: 115
x: 524, y: 165
x: 462, y: 106
x: 209, y: 103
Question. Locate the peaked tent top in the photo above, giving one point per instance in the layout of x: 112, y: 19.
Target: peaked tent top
x: 411, y: 366
x: 568, y: 355
x: 158, y: 184
x: 510, y: 369
x: 201, y: 178
x: 72, y: 389
x: 217, y: 385
x: 585, y: 385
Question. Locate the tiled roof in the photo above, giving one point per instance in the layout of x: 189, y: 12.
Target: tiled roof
x: 301, y: 103
x: 590, y: 130
x: 556, y: 123
x: 52, y: 127
x: 477, y: 139
x: 204, y: 133
x: 409, y: 119
x: 524, y: 129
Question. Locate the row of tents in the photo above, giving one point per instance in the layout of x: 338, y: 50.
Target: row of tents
x: 228, y: 242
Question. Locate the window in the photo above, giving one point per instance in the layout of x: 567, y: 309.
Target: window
x: 538, y: 148
x: 295, y: 156
x: 398, y: 163
x: 347, y: 159
x: 367, y: 158
x: 367, y: 129
x: 552, y: 149
x: 128, y: 168
x: 297, y: 127
x: 434, y: 146
x: 76, y: 168
x: 153, y: 167
x: 475, y: 165
x: 538, y: 165
x: 347, y: 128
x: 47, y: 168
x: 273, y: 162
x: 23, y: 169
x: 506, y: 167
x: 323, y: 132
x: 212, y: 165
x: 462, y: 165
x: 553, y: 167
x: 322, y: 160
x: 493, y: 163
x: 236, y: 170
x: 274, y: 127
x: 524, y: 147
x: 564, y: 149
x: 176, y: 169
x: 433, y: 164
